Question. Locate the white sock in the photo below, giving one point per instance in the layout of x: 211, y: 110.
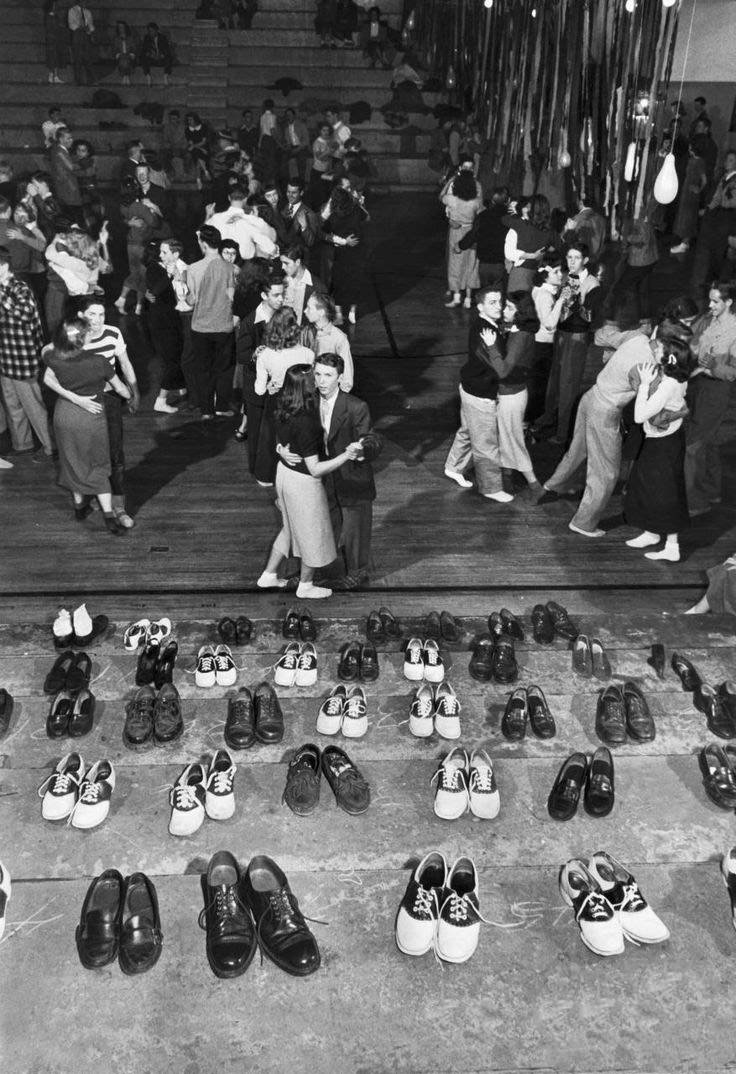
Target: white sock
x: 82, y: 621
x: 309, y: 589
x: 62, y: 624
x: 271, y: 580
x: 644, y: 540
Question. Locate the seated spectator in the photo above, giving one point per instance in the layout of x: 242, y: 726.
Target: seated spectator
x: 345, y: 25
x: 156, y: 51
x: 324, y: 22
x: 243, y: 12
x: 374, y: 39
x: 126, y: 51
x: 50, y: 126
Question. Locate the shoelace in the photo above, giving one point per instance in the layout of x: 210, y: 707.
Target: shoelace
x: 597, y: 906
x: 299, y: 779
x: 89, y: 793
x: 334, y: 706
x: 223, y: 781
x: 481, y: 779
x: 289, y: 660
x: 226, y: 904
x: 448, y: 705
x: 355, y: 708
x: 414, y: 653
x: 461, y: 908
x: 223, y: 662
x: 183, y: 796
x: 433, y: 656
x: 448, y: 777
x: 423, y: 706
x: 284, y: 904
x: 632, y: 898
x: 206, y: 663
x: 59, y: 783
x: 425, y: 902
x: 306, y: 659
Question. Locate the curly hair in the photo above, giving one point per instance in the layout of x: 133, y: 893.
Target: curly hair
x: 282, y: 330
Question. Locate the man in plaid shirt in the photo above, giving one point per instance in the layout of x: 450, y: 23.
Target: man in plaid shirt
x: 20, y: 349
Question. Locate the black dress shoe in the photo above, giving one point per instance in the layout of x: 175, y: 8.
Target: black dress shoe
x: 391, y: 626
x: 718, y: 718
x: 433, y: 626
x: 610, y: 716
x: 495, y: 625
x: 511, y: 625
x: 303, y: 775
x: 231, y: 938
x: 82, y: 717
x: 639, y: 722
x: 6, y: 711
x: 57, y: 721
x: 563, y: 799
x: 227, y: 630
x: 481, y: 661
x: 540, y: 718
x: 374, y: 629
x: 561, y: 622
x: 98, y: 931
x: 282, y: 931
x: 290, y: 625
x: 449, y: 627
x: 79, y: 673
x: 164, y: 671
x: 349, y: 786
x: 138, y: 727
x: 543, y: 630
x: 244, y: 630
x: 727, y: 694
x: 656, y: 660
x: 582, y: 658
x: 504, y: 667
x: 368, y: 663
x: 168, y: 723
x: 513, y: 721
x: 240, y: 725
x: 146, y: 670
x: 686, y: 673
x: 56, y: 678
x: 719, y: 779
x: 141, y: 938
x: 100, y: 623
x: 269, y: 717
x: 348, y: 668
x: 307, y: 627
x: 599, y: 657
x: 599, y: 795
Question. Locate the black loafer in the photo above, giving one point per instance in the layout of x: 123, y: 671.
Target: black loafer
x: 57, y: 676
x: 610, y: 717
x: 98, y: 931
x: 164, y: 671
x: 656, y: 660
x: 718, y: 718
x: 541, y: 720
x: 561, y: 622
x: 582, y: 658
x: 138, y: 727
x: 504, y: 667
x: 639, y: 722
x: 719, y: 778
x: 146, y: 669
x: 82, y: 717
x: 369, y: 670
x: 599, y: 796
x: 600, y: 661
x: 269, y: 717
x: 227, y: 630
x: 374, y: 629
x: 449, y: 627
x: 231, y: 938
x: 348, y: 668
x: 511, y: 625
x: 240, y: 725
x: 141, y: 939
x: 433, y: 626
x: 244, y: 630
x: 481, y: 661
x: 282, y: 931
x: 168, y: 723
x: 350, y: 788
x: 727, y: 694
x: 290, y: 625
x: 513, y: 721
x: 563, y: 799
x: 100, y: 623
x: 307, y: 626
x: 686, y: 673
x: 57, y: 721
x: 495, y: 625
x: 6, y: 711
x: 79, y: 673
x: 303, y: 775
x: 391, y: 626
x: 543, y: 630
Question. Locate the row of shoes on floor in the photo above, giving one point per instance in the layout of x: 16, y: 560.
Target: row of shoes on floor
x: 382, y: 626
x: 77, y: 628
x: 466, y: 783
x: 718, y: 704
x: 72, y: 706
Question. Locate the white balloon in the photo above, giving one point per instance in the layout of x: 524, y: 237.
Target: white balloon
x: 666, y: 184
x: 630, y: 162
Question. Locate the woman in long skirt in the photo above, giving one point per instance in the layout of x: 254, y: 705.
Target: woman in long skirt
x: 463, y: 199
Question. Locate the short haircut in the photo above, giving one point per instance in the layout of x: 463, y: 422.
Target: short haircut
x: 273, y: 280
x: 210, y: 236
x: 297, y: 183
x: 294, y: 251
x: 60, y: 132
x: 551, y: 259
x: 4, y: 205
x: 91, y: 300
x: 152, y: 26
x: 680, y: 308
x: 229, y: 244
x: 4, y: 255
x: 725, y: 288
x: 335, y: 361
x: 325, y: 303
x: 236, y: 193
x: 582, y: 248
x: 134, y: 143
x: 41, y: 177
x: 173, y: 244
x: 495, y: 288
x: 268, y: 103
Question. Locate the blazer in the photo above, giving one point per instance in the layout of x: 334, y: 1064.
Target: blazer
x: 353, y: 483
x: 61, y: 166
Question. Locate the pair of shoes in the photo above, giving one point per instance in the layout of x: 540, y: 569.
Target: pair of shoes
x: 5, y: 888
x: 593, y: 779
x: 358, y: 662
x: 271, y: 580
x: 77, y: 628
x: 6, y: 711
x: 343, y: 710
x: 622, y: 711
x: 441, y: 625
x: 81, y: 798
x: 71, y: 713
x: 528, y: 703
x: 153, y: 719
x: 718, y: 706
x: 301, y: 793
x: 466, y: 783
x: 590, y: 658
x: 562, y: 625
x: 215, y: 666
x: 381, y: 625
x: 120, y: 920
x: 493, y: 659
x: 297, y: 665
x: 543, y: 627
x: 505, y: 622
x: 146, y: 632
x: 253, y: 716
x: 422, y: 660
x: 440, y: 910
x: 608, y: 905
x: 718, y: 766
x: 71, y: 671
x: 156, y: 664
x: 257, y: 907
x: 298, y: 624
x: 458, y: 478
x: 238, y: 631
x: 438, y: 711
x: 197, y: 793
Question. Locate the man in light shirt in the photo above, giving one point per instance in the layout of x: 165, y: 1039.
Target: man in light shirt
x: 81, y: 27
x: 324, y: 337
x: 340, y: 131
x: 301, y: 284
x: 50, y: 126
x: 255, y: 238
x: 176, y: 268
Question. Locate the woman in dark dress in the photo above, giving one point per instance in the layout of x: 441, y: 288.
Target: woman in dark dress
x: 164, y: 326
x: 344, y: 219
x: 80, y: 425
x: 198, y: 145
x: 306, y: 530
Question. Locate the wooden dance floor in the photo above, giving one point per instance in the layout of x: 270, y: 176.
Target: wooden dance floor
x: 532, y: 998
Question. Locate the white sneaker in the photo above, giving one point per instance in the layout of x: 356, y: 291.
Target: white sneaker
x: 499, y: 497
x: 451, y: 796
x: 95, y: 792
x: 681, y: 248
x: 226, y: 674
x: 434, y: 667
x: 413, y: 662
x: 219, y: 801
x: 329, y: 717
x: 5, y: 464
x: 63, y: 629
x: 158, y: 630
x: 83, y: 625
x: 271, y: 580
x: 187, y: 798
x: 285, y: 670
x: 310, y: 591
x: 446, y: 712
x: 459, y: 478
x: 59, y: 790
x: 355, y: 713
x: 205, y: 675
x: 669, y: 552
x: 416, y: 921
x: 162, y: 407
x: 4, y: 896
x: 421, y: 713
x: 458, y: 930
x: 600, y: 926
x: 639, y: 922
x: 483, y: 796
x: 306, y: 667
x: 136, y: 635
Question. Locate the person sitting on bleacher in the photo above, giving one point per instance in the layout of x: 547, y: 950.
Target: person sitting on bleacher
x: 156, y: 51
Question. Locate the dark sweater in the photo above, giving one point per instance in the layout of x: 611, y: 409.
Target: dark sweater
x: 478, y: 376
x: 488, y: 235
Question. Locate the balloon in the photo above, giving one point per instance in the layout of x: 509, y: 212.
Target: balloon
x: 630, y: 6
x: 411, y: 21
x: 565, y: 160
x: 630, y: 168
x: 450, y: 83
x: 666, y: 184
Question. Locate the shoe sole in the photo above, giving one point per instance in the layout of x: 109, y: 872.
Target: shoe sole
x: 284, y: 679
x: 455, y: 960
x: 60, y: 816
x: 282, y: 966
x: 421, y: 728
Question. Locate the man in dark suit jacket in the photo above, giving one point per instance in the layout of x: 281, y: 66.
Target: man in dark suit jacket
x: 61, y: 166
